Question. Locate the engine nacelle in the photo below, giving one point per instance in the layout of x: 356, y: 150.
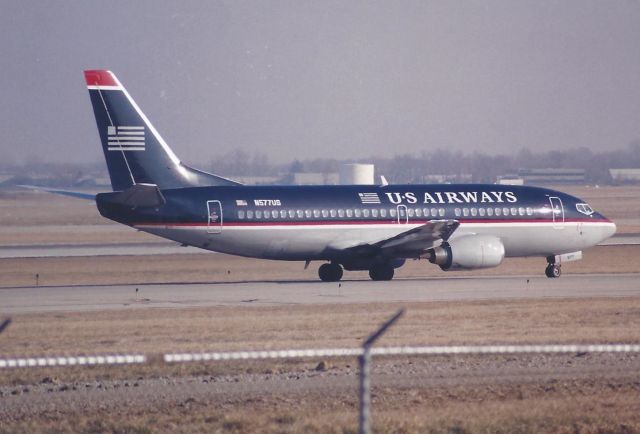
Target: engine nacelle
x: 468, y: 252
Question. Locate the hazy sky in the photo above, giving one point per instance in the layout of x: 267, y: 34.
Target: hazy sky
x: 301, y: 79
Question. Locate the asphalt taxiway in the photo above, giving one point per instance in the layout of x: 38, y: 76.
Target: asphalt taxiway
x: 108, y: 297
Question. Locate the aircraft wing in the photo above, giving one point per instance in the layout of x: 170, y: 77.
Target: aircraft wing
x: 410, y: 243
x: 417, y: 240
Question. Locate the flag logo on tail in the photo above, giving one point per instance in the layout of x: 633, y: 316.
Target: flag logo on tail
x: 369, y: 198
x: 125, y: 138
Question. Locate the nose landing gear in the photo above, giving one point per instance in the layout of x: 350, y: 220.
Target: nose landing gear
x: 553, y: 270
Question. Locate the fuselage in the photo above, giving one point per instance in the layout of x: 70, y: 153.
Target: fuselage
x: 320, y: 222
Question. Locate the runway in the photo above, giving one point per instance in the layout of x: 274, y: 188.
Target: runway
x: 95, y: 298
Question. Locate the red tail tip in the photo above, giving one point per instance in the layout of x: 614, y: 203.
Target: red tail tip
x: 98, y: 77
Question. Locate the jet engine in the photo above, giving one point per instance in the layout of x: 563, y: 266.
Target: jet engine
x: 468, y: 252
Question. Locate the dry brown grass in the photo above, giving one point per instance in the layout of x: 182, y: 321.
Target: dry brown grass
x: 281, y: 327
x: 575, y: 407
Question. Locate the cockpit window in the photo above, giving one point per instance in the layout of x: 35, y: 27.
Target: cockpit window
x: 584, y: 208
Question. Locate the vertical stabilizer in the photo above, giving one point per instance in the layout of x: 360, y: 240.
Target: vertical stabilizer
x: 133, y: 149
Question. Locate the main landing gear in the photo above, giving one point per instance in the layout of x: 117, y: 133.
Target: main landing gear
x: 381, y: 272
x: 330, y: 272
x: 553, y: 270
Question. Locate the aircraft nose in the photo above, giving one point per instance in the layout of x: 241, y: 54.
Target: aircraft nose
x: 608, y: 230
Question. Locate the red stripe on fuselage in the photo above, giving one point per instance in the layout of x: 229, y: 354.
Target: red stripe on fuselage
x: 361, y: 222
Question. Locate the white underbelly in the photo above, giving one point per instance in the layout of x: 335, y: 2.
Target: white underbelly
x: 301, y: 242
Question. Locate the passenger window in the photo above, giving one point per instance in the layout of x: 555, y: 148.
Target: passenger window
x: 457, y: 212
x: 283, y: 214
x: 357, y: 212
x: 434, y: 212
x: 474, y: 212
x: 514, y: 211
x: 241, y: 215
x: 490, y: 212
x: 307, y: 213
x: 299, y: 213
x: 291, y: 213
x: 521, y: 211
x: 441, y: 212
x: 250, y: 214
x: 505, y: 211
x: 349, y: 213
x: 365, y: 212
x: 392, y: 212
x: 258, y: 214
x: 465, y: 212
x: 383, y: 213
x: 425, y: 211
x: 266, y: 215
x: 498, y: 211
x: 333, y: 213
x: 418, y: 212
x: 481, y: 211
x: 402, y: 212
x: 374, y: 212
x: 316, y: 213
x: 325, y: 213
x: 410, y: 212
x: 529, y: 211
x: 341, y: 213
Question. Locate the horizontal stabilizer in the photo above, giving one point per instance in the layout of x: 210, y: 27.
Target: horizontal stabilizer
x: 76, y: 194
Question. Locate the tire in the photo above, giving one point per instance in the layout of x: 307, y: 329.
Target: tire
x: 553, y: 271
x: 381, y: 272
x: 330, y: 272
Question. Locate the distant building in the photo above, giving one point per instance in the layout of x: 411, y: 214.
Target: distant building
x: 510, y: 180
x: 357, y: 174
x: 464, y: 178
x: 256, y: 180
x: 552, y: 176
x: 625, y: 175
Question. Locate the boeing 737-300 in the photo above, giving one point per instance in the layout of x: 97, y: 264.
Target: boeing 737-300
x: 351, y: 227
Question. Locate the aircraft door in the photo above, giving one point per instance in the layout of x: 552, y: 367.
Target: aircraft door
x: 403, y: 215
x: 214, y: 217
x: 557, y: 211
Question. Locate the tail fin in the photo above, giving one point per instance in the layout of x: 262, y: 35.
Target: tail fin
x: 135, y: 152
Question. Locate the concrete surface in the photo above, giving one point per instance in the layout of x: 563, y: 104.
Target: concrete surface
x: 91, y: 298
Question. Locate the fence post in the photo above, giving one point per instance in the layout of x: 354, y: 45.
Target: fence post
x: 364, y: 362
x: 5, y: 324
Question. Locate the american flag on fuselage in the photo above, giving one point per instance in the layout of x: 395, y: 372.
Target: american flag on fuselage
x: 369, y: 198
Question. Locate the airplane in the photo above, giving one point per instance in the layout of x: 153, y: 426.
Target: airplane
x: 348, y: 227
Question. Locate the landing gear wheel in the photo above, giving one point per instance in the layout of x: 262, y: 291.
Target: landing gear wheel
x: 381, y: 272
x: 330, y: 272
x: 553, y: 271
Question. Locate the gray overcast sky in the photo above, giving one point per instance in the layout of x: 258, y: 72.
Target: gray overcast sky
x: 301, y: 79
